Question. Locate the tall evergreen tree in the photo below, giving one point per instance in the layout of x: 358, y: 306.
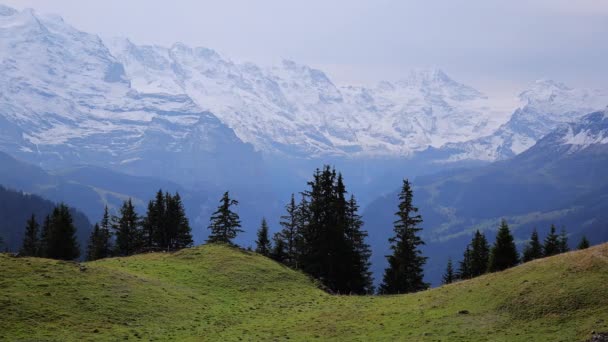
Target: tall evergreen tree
x: 225, y: 224
x: 551, y: 245
x: 105, y: 227
x: 279, y: 249
x: 563, y: 241
x: 44, y: 237
x: 127, y: 229
x: 60, y: 235
x: 324, y: 253
x: 480, y: 254
x: 449, y: 276
x: 533, y: 250
x: 504, y: 253
x: 263, y: 242
x: 290, y: 233
x: 31, y: 240
x: 584, y: 244
x: 404, y: 273
x: 361, y: 280
x: 178, y: 228
x: 465, y: 269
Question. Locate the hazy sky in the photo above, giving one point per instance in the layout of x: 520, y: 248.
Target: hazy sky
x: 492, y: 45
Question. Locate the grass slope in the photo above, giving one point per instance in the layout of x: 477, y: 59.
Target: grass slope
x: 219, y: 293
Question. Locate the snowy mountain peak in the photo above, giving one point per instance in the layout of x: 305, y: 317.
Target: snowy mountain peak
x: 7, y: 11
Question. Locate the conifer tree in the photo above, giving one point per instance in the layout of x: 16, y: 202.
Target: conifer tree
x: 31, y: 240
x: 551, y: 245
x: 504, y: 253
x: 94, y: 244
x: 279, y: 249
x: 404, y: 273
x: 361, y: 280
x: 465, y: 269
x: 225, y: 224
x: 60, y: 235
x: 563, y: 242
x: 263, y: 242
x: 584, y: 244
x: 127, y: 230
x: 44, y: 237
x: 480, y: 254
x: 178, y: 231
x: 449, y: 276
x: 533, y: 250
x: 105, y: 227
x: 290, y: 233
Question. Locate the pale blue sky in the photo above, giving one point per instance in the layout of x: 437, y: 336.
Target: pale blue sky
x: 496, y: 46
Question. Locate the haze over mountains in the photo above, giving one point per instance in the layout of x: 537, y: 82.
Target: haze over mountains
x: 191, y: 119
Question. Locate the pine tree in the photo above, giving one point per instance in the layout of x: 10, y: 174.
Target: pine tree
x: 504, y: 253
x: 551, y: 246
x: 178, y: 228
x: 290, y: 233
x: 465, y: 269
x: 105, y: 227
x: 31, y: 240
x: 44, y: 237
x: 405, y: 273
x: 263, y: 242
x: 533, y: 250
x: 94, y: 243
x: 480, y: 254
x: 279, y: 249
x: 449, y: 276
x: 127, y: 230
x: 361, y: 280
x: 60, y: 235
x: 225, y: 224
x: 584, y: 244
x: 563, y: 242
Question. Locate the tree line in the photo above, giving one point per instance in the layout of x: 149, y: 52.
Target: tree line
x: 322, y: 234
x: 164, y: 227
x: 480, y: 258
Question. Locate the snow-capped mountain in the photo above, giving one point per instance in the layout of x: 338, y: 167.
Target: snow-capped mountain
x: 293, y: 108
x: 67, y: 96
x: 544, y: 107
x: 64, y: 99
x: 591, y: 131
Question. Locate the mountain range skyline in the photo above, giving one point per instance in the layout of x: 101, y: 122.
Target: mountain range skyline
x: 522, y: 43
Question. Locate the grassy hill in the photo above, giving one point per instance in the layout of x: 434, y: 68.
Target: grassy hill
x: 220, y: 293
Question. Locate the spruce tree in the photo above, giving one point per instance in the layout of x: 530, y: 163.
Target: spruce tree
x: 60, y: 235
x: 551, y: 245
x: 94, y: 244
x: 584, y: 244
x: 563, y: 242
x: 465, y: 269
x: 279, y: 250
x: 225, y: 224
x: 361, y: 280
x: 480, y: 254
x: 44, y: 237
x: 105, y: 227
x: 127, y: 230
x: 404, y: 273
x: 449, y: 276
x: 290, y: 233
x: 504, y: 253
x: 177, y: 225
x: 263, y: 242
x: 533, y: 250
x: 31, y: 240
